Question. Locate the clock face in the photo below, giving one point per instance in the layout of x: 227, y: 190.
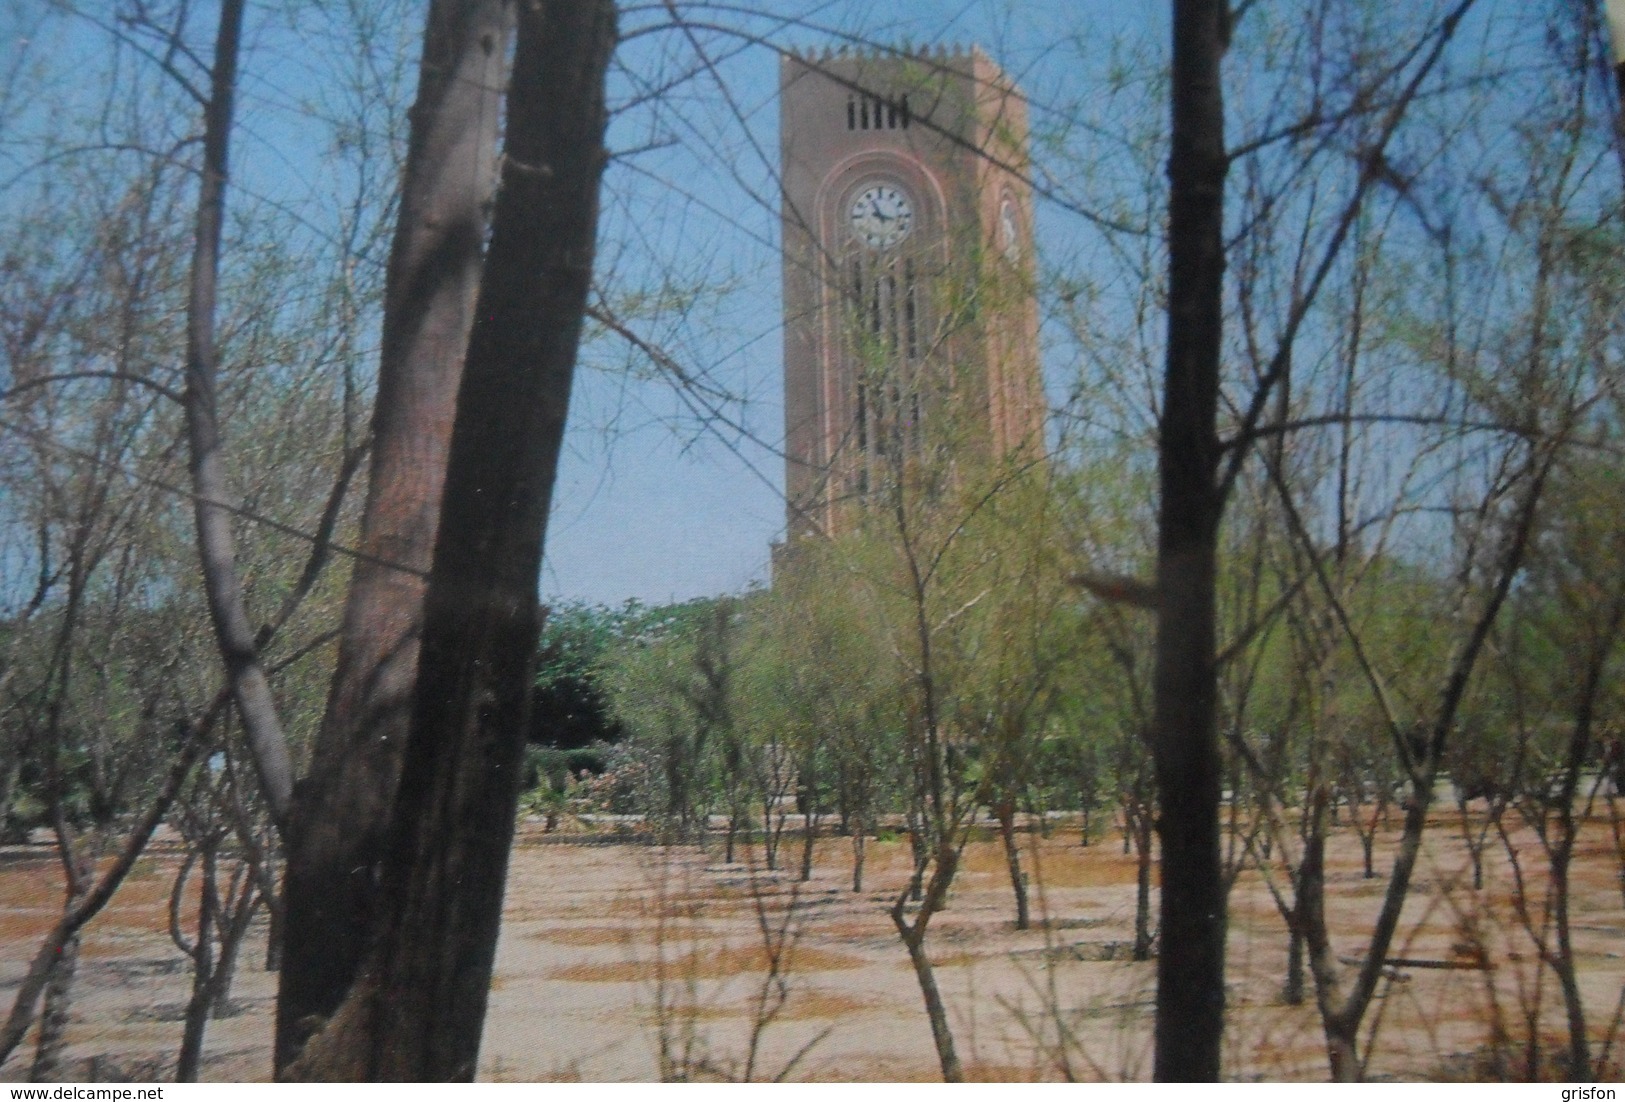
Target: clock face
x: 1009, y: 238
x: 880, y: 216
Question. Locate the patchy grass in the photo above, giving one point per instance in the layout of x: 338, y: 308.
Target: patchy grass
x: 22, y: 927
x: 720, y: 963
x: 825, y: 1004
x: 596, y: 935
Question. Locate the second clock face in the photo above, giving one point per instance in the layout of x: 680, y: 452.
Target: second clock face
x: 881, y: 216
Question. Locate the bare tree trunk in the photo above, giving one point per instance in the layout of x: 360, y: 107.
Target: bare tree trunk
x: 1012, y: 860
x: 222, y: 925
x: 53, y: 1026
x: 1190, y: 968
x: 774, y: 816
x: 913, y: 935
x: 52, y: 1044
x: 809, y: 823
x: 235, y: 637
x: 1562, y: 961
x: 342, y: 812
x: 1616, y: 825
x: 1292, y: 990
x: 9, y: 772
x: 917, y: 849
x: 418, y: 1007
x: 1561, y: 853
x: 1142, y: 880
x: 1578, y: 752
x: 203, y: 962
x: 234, y: 930
x: 1475, y: 853
x: 1310, y: 912
x: 1341, y: 1051
x: 34, y: 981
x: 1368, y: 834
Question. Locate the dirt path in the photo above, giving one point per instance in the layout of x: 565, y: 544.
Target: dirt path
x: 628, y: 962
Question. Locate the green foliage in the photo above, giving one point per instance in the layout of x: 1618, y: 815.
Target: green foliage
x: 668, y: 683
x: 577, y: 637
x: 546, y: 765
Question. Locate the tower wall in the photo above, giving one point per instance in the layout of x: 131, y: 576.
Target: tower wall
x: 908, y: 260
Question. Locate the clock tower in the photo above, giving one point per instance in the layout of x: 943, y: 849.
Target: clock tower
x: 911, y: 326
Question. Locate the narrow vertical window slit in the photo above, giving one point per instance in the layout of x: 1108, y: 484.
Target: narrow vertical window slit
x: 863, y: 417
x: 911, y: 316
x: 891, y: 313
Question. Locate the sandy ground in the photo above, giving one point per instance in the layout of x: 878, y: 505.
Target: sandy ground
x: 621, y: 962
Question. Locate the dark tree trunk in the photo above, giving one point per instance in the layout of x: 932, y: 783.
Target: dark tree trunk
x: 1190, y: 968
x: 418, y: 1007
x: 342, y: 812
